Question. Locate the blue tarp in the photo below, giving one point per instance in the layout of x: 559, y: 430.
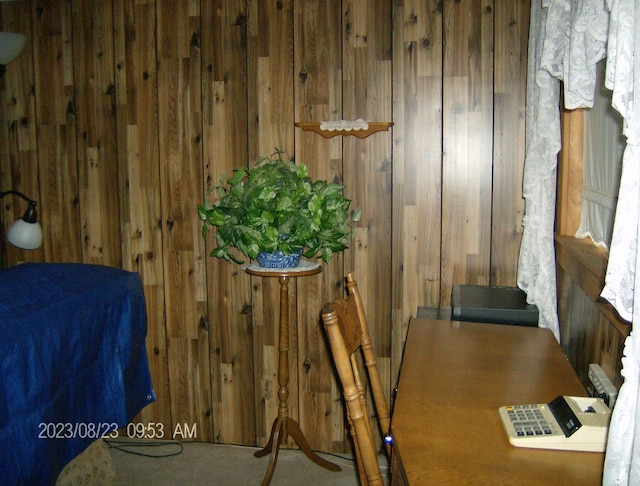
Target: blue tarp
x: 73, y: 363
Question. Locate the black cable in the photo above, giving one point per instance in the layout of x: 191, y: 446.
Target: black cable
x: 334, y: 454
x: 122, y: 446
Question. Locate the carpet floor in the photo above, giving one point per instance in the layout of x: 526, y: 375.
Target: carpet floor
x: 197, y: 463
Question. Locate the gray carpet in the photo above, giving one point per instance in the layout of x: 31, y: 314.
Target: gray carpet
x: 214, y: 464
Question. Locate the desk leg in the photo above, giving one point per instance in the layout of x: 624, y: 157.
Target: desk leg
x: 284, y: 425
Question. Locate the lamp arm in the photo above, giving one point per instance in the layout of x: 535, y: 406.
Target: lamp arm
x: 17, y: 193
x: 30, y: 215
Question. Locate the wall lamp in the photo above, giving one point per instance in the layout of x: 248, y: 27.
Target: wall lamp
x: 26, y: 232
x: 11, y: 46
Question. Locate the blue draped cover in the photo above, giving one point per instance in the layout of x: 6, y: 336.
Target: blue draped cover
x: 73, y: 363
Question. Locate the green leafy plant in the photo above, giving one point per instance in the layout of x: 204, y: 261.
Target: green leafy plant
x: 275, y: 206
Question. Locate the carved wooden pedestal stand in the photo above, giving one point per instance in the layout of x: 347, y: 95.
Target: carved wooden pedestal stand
x: 284, y: 425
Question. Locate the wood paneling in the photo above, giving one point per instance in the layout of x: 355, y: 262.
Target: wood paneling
x: 592, y: 331
x: 229, y: 314
x: 318, y: 61
x: 367, y: 94
x: 511, y: 33
x: 120, y: 115
x: 19, y: 138
x: 180, y: 151
x: 139, y: 179
x: 588, y: 336
x: 95, y: 100
x: 56, y: 119
x: 467, y: 145
x: 417, y: 164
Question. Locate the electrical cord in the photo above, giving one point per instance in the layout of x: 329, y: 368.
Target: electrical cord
x: 123, y: 445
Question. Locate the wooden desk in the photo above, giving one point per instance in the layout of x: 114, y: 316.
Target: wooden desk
x: 454, y: 377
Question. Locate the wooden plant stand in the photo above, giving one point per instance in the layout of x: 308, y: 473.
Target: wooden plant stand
x: 284, y: 425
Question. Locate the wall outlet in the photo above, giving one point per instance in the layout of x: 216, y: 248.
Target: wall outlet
x: 602, y: 385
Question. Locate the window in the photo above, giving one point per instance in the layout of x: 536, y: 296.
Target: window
x: 603, y: 148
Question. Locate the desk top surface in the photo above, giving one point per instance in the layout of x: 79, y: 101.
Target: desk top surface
x: 454, y: 377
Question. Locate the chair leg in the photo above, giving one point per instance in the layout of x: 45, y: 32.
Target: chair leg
x: 356, y: 449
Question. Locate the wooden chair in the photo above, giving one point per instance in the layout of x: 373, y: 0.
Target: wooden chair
x: 347, y: 330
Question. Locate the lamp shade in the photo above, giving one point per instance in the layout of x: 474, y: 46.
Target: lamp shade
x: 27, y: 236
x: 10, y: 46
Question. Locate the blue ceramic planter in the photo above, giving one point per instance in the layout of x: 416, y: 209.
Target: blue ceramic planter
x: 279, y: 259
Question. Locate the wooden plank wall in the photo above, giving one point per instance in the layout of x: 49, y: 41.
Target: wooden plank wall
x: 119, y: 115
x: 591, y: 329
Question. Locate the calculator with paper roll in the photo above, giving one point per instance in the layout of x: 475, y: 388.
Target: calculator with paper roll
x: 568, y: 423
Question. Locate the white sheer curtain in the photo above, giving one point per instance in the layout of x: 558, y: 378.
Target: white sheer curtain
x: 603, y: 148
x: 567, y: 38
x: 536, y: 266
x: 622, y: 288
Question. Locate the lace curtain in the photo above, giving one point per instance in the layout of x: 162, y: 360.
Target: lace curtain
x: 622, y: 288
x: 567, y: 39
x: 536, y: 265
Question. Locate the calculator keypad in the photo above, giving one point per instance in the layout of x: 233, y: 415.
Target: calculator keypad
x: 530, y: 421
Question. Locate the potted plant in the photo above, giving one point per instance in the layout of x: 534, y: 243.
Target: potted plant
x: 274, y: 210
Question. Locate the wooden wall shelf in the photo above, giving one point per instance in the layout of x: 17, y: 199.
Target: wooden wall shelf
x: 362, y: 133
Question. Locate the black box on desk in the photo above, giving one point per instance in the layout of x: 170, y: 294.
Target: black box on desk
x: 497, y: 305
